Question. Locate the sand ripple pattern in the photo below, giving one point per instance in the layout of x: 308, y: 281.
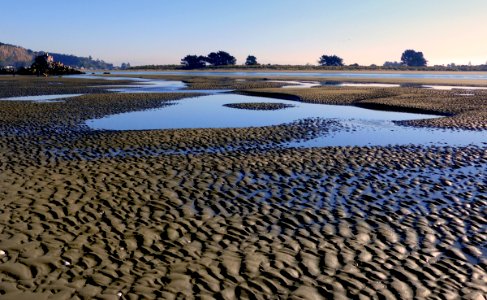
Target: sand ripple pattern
x: 460, y: 111
x: 406, y: 222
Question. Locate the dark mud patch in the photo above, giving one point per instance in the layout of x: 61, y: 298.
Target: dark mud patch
x: 259, y: 106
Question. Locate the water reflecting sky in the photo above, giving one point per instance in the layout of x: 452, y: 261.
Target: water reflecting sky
x: 361, y: 126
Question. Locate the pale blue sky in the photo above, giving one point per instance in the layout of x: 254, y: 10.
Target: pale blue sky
x: 276, y: 31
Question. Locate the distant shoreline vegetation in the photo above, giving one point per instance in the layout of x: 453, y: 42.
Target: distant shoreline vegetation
x: 411, y: 60
x: 449, y: 68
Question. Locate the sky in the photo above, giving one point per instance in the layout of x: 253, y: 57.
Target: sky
x: 275, y: 31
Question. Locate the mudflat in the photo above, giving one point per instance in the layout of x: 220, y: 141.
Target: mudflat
x: 225, y: 213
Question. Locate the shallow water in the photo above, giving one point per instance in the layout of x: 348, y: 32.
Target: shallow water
x: 209, y: 112
x: 161, y: 86
x: 387, y: 85
x: 361, y: 126
x: 384, y: 85
x: 41, y: 98
x: 149, y: 85
x: 453, y: 87
x: 297, y: 84
x: 385, y: 133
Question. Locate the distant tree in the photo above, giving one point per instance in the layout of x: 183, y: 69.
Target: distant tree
x: 193, y: 61
x: 412, y: 58
x: 392, y: 64
x: 40, y: 62
x: 77, y: 62
x: 330, y: 60
x: 251, y: 61
x: 221, y: 58
x: 125, y: 66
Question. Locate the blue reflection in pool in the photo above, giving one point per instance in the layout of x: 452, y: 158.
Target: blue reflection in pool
x: 361, y: 126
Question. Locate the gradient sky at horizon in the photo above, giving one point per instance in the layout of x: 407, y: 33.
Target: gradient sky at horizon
x: 276, y: 31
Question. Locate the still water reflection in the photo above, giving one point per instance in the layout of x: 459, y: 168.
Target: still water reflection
x: 361, y: 126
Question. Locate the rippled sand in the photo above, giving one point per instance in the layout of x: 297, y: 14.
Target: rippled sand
x: 332, y: 222
x: 87, y: 214
x: 460, y: 111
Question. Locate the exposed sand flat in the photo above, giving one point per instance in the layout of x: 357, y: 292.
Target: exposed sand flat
x: 336, y: 222
x: 98, y: 214
x: 68, y: 143
x: 32, y: 86
x: 464, y: 112
x: 203, y: 83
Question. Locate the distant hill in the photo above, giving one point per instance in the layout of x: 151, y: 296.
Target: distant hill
x: 17, y: 56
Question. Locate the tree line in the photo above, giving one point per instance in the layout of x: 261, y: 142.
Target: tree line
x: 409, y: 58
x: 215, y: 59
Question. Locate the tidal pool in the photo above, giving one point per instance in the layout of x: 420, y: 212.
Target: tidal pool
x: 361, y: 126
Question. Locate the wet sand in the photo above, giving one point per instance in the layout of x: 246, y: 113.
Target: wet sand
x: 335, y: 222
x: 99, y: 214
x: 467, y: 112
x: 39, y: 119
x: 31, y: 86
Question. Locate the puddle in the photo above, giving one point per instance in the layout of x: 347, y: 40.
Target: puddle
x: 297, y: 84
